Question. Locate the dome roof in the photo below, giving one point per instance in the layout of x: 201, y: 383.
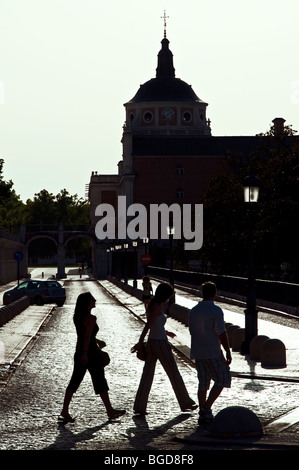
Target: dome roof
x: 165, y: 87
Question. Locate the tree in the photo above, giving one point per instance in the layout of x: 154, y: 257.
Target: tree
x: 47, y: 209
x: 42, y: 209
x: 11, y: 208
x: 276, y: 163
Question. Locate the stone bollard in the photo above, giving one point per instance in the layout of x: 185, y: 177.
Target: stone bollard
x: 180, y: 313
x: 256, y: 347
x: 236, y: 421
x: 230, y: 330
x: 273, y: 354
x: 238, y: 337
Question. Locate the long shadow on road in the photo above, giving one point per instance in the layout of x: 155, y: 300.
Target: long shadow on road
x: 67, y: 439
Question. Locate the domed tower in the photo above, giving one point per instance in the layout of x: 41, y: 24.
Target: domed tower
x: 166, y: 105
x: 165, y: 115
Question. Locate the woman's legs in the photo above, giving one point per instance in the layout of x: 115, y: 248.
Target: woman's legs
x: 111, y: 412
x: 165, y: 355
x: 145, y: 383
x: 101, y: 388
x: 65, y: 408
x: 77, y: 377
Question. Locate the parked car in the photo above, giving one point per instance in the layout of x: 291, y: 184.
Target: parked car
x: 39, y: 292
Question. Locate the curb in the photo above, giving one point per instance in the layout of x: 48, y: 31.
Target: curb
x: 11, y: 310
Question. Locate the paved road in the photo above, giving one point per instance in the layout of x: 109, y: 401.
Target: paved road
x: 31, y: 402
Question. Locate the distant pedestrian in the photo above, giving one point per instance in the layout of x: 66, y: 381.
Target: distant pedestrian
x: 157, y: 347
x: 87, y: 357
x: 208, y: 333
x: 147, y: 291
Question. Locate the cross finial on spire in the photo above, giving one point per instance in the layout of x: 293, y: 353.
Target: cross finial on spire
x: 164, y: 17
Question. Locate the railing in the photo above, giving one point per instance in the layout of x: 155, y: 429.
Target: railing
x: 284, y: 293
x: 158, y: 131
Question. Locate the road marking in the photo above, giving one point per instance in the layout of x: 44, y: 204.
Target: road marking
x: 285, y: 421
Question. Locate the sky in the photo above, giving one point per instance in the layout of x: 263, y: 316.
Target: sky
x: 68, y: 66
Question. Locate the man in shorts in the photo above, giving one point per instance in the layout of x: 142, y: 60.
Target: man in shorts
x: 208, y: 334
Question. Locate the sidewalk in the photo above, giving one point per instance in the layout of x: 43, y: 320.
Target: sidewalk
x: 17, y: 335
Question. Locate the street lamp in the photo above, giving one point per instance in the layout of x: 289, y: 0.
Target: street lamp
x: 134, y: 244
x: 145, y: 242
x: 118, y: 268
x: 112, y: 270
x: 126, y: 246
x: 108, y: 259
x: 170, y: 231
x: 251, y: 186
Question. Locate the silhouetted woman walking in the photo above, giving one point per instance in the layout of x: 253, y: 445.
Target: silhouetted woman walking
x: 158, y: 348
x: 87, y: 357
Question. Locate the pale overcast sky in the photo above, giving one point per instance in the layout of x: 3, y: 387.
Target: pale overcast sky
x: 68, y: 66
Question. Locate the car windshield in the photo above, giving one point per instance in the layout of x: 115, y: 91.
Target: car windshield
x: 24, y: 285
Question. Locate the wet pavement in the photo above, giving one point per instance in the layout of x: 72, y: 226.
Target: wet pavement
x: 31, y: 396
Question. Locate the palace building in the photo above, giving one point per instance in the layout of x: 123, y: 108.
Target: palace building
x: 169, y: 153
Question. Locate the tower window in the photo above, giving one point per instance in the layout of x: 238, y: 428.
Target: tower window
x: 187, y: 116
x: 148, y: 116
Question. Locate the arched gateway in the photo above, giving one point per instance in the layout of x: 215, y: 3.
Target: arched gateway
x: 61, y: 235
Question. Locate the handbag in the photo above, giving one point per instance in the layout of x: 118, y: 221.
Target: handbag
x: 105, y: 358
x: 141, y: 352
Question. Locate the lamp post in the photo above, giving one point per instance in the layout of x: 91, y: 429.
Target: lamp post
x: 126, y: 246
x: 108, y: 260
x: 112, y: 269
x: 134, y: 243
x: 251, y: 186
x: 118, y: 268
x: 145, y: 242
x: 170, y: 231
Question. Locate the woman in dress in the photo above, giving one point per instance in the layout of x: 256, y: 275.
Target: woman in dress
x: 157, y: 347
x: 87, y: 357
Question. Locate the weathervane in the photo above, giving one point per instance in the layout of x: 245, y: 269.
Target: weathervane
x: 164, y: 17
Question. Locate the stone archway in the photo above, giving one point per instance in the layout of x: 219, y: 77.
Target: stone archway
x: 61, y: 236
x: 41, y: 250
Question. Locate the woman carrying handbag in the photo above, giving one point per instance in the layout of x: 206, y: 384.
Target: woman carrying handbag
x: 157, y: 347
x: 88, y: 356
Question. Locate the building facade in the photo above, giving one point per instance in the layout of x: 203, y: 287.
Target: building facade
x: 169, y: 153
